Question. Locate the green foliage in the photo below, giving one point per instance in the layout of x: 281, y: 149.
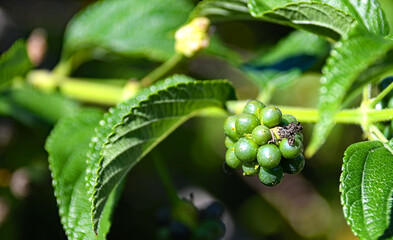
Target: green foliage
x: 311, y: 16
x: 67, y: 146
x: 366, y: 187
x: 340, y: 72
x: 129, y: 131
x: 91, y: 153
x: 328, y: 18
x: 128, y: 27
x: 13, y: 63
x: 282, y: 64
x: 29, y: 105
x: 221, y: 9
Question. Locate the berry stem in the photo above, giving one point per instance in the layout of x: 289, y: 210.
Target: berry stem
x: 165, y: 178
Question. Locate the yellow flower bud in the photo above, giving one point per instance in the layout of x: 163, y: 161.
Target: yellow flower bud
x: 192, y: 37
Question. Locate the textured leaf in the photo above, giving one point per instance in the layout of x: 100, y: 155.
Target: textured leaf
x: 221, y: 9
x: 13, y: 63
x: 128, y: 27
x: 129, y: 131
x: 287, y: 60
x: 324, y: 17
x: 316, y: 17
x: 67, y: 146
x: 367, y: 190
x: 340, y: 72
x: 26, y: 105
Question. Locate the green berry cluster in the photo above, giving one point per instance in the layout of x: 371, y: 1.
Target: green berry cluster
x: 262, y: 141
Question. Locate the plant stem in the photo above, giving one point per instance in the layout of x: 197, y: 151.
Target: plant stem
x: 380, y: 96
x: 88, y: 90
x: 162, y: 70
x: 311, y: 115
x: 91, y: 92
x: 165, y: 179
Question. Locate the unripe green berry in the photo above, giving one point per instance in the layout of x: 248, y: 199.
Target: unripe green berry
x: 253, y: 107
x: 261, y: 135
x: 286, y: 119
x: 246, y: 149
x: 289, y: 151
x: 293, y: 166
x: 229, y: 143
x: 231, y: 159
x: 245, y: 123
x: 250, y: 168
x: 299, y: 136
x: 230, y: 128
x: 271, y: 177
x: 269, y: 156
x: 270, y: 116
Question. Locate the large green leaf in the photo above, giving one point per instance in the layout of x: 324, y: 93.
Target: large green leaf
x: 129, y: 131
x: 29, y: 105
x: 316, y: 17
x: 329, y: 18
x: 221, y: 9
x: 340, y: 72
x: 128, y: 27
x: 13, y: 63
x: 367, y: 190
x: 67, y: 146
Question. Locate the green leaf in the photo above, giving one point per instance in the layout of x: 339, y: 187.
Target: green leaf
x: 340, y: 72
x: 28, y: 105
x: 287, y: 60
x: 367, y: 190
x: 129, y: 131
x: 128, y: 27
x: 295, y: 44
x: 13, y: 63
x: 315, y: 17
x: 221, y: 10
x: 67, y: 146
x: 324, y: 17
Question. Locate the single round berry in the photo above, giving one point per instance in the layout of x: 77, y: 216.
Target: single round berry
x: 299, y: 136
x: 245, y: 123
x: 246, y: 149
x: 231, y: 159
x: 269, y: 156
x: 286, y: 119
x: 293, y: 166
x: 230, y: 128
x: 271, y: 177
x: 270, y: 116
x: 214, y: 211
x: 289, y: 151
x: 229, y: 143
x: 250, y: 168
x: 253, y: 107
x: 261, y: 135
